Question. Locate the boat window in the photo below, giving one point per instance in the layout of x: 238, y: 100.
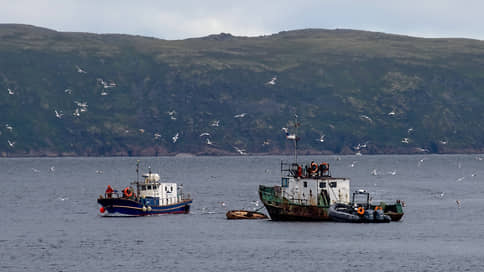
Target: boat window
x: 149, y: 187
x: 154, y: 187
x: 171, y: 189
x: 284, y: 182
x: 322, y: 185
x: 333, y: 184
x: 305, y: 184
x: 143, y: 187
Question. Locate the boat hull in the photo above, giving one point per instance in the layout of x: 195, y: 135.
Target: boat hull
x: 132, y: 207
x: 281, y: 209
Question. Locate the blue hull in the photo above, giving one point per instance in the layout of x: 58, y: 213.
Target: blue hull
x: 130, y: 207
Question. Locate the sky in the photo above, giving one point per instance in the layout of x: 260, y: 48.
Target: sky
x: 188, y: 19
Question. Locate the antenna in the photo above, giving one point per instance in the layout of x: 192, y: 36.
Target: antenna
x: 137, y: 171
x: 296, y: 125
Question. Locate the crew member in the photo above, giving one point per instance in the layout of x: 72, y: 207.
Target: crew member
x: 109, y: 191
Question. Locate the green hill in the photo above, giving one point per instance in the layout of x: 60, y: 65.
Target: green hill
x: 354, y: 87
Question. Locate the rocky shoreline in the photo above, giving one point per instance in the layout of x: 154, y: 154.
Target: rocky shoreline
x: 218, y: 152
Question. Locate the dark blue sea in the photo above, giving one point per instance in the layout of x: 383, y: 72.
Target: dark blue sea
x: 50, y: 220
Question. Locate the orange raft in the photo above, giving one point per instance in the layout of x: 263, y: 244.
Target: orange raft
x: 241, y: 214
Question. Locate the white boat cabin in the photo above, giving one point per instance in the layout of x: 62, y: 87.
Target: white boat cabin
x: 309, y: 191
x: 165, y: 193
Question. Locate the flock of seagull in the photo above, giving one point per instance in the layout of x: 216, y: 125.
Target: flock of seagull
x: 82, y: 107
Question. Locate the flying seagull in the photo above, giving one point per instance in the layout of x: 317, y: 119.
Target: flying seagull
x: 205, y: 134
x: 241, y: 151
x: 11, y: 144
x: 215, y: 123
x: 10, y: 91
x: 58, y: 114
x: 242, y: 115
x: 79, y: 70
x: 272, y: 81
x: 175, y: 138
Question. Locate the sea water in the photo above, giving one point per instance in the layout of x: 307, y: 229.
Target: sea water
x: 50, y: 220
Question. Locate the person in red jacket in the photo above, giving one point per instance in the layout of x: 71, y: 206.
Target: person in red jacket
x: 109, y: 192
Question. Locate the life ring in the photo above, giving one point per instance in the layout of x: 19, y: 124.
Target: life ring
x: 360, y: 210
x: 314, y: 167
x: 127, y: 192
x: 378, y: 208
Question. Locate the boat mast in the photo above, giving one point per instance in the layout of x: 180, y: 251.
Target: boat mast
x: 137, y: 178
x: 296, y: 125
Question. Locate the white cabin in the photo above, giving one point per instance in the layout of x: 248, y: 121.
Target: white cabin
x: 166, y: 193
x: 307, y: 191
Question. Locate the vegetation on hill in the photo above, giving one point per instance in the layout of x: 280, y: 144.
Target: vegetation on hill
x: 363, y: 91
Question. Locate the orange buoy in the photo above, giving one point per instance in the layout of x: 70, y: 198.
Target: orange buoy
x: 102, y: 210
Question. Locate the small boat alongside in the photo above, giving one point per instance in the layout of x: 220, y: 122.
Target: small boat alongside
x: 243, y: 214
x: 151, y: 197
x: 357, y: 212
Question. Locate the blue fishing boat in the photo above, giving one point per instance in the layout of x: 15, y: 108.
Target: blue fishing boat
x: 151, y: 197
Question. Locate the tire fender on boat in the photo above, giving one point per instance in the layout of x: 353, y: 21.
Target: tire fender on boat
x: 144, y: 208
x: 149, y: 208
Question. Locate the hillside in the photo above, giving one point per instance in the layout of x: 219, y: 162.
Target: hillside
x: 364, y: 91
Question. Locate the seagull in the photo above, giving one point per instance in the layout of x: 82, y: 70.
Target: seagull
x: 76, y: 113
x: 321, y: 139
x: 68, y: 91
x: 358, y: 153
x: 266, y: 142
x: 393, y: 172
x: 284, y: 129
x: 460, y: 179
x: 441, y: 195
x: 9, y: 127
x: 172, y: 117
x: 241, y: 151
x: 11, y: 144
x: 171, y: 113
x: 405, y: 140
x: 58, y: 114
x: 205, y: 134
x: 157, y: 136
x: 175, y: 138
x: 10, y: 91
x: 366, y: 117
x: 209, y: 142
x: 353, y: 164
x: 52, y: 169
x: 242, y: 115
x: 392, y: 113
x: 410, y: 130
x: 81, y: 104
x: 374, y: 173
x: 35, y: 170
x: 444, y: 142
x: 272, y: 81
x: 104, y: 93
x: 419, y: 149
x: 215, y: 123
x: 141, y: 130
x: 99, y: 171
x: 79, y: 70
x: 458, y: 203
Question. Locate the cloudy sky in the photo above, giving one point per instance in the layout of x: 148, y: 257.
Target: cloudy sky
x: 185, y: 19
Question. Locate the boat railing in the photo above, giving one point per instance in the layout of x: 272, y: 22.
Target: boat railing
x: 304, y: 170
x: 114, y: 194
